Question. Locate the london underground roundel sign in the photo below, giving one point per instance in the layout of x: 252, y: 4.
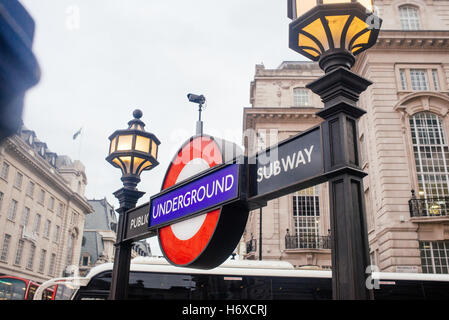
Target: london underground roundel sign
x: 206, y: 240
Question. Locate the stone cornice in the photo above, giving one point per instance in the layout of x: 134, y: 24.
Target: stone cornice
x: 269, y: 114
x: 419, y: 39
x: 42, y: 167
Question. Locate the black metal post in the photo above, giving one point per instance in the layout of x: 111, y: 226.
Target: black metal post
x: 128, y: 197
x: 339, y: 89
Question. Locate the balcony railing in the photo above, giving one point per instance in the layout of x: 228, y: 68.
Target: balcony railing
x: 307, y: 242
x: 429, y: 207
x: 251, y: 246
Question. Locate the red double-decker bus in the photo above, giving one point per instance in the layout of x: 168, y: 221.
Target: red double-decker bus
x: 16, y: 288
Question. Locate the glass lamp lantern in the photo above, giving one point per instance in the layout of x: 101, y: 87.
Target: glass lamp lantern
x: 133, y: 150
x: 332, y: 31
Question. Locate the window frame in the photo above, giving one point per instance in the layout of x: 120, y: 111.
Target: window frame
x: 30, y: 189
x: 47, y: 228
x: 31, y: 254
x: 37, y: 223
x: 13, y: 210
x: 19, y: 252
x: 442, y: 148
x: 5, y: 247
x: 430, y: 69
x: 432, y: 256
x: 310, y: 221
x: 409, y: 22
x: 298, y: 98
x: 4, y: 173
x: 18, y: 181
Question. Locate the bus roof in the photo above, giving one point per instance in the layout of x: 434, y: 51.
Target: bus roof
x: 229, y: 267
x: 227, y: 264
x: 254, y: 268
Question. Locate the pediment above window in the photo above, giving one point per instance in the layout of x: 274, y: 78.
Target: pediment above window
x: 437, y: 103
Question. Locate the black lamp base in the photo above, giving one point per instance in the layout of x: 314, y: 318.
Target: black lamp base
x: 336, y: 58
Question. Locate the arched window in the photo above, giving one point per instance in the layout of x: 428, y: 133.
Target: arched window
x: 431, y: 155
x: 409, y: 17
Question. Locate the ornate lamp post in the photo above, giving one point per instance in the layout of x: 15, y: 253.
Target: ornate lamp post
x: 132, y: 150
x: 332, y: 32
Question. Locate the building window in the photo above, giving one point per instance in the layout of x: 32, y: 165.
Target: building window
x: 26, y: 215
x: 85, y: 261
x: 301, y: 97
x: 30, y: 190
x: 12, y: 210
x: 403, y: 79
x: 42, y: 197
x: 51, y: 268
x: 42, y: 261
x: 37, y: 223
x: 434, y: 256
x: 306, y: 217
x: 56, y: 234
x: 409, y: 18
x: 5, y: 248
x: 5, y: 170
x: 419, y: 79
x: 436, y: 83
x: 19, y: 251
x: 31, y: 257
x: 47, y: 228
x: 60, y: 209
x: 431, y: 155
x: 51, y: 204
x: 1, y: 199
x: 18, y: 181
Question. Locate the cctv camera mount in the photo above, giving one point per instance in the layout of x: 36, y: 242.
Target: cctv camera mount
x: 200, y: 100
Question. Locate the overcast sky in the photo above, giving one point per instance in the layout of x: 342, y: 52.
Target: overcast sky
x: 101, y: 59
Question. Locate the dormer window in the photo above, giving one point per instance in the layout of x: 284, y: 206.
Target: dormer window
x: 42, y: 151
x: 409, y: 17
x: 30, y: 139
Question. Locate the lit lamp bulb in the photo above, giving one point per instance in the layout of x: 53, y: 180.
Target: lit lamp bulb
x: 323, y: 30
x: 133, y: 150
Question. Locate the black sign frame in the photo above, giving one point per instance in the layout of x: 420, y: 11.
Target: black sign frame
x: 257, y: 199
x: 247, y: 185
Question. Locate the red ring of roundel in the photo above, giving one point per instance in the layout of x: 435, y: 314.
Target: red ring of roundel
x: 183, y: 252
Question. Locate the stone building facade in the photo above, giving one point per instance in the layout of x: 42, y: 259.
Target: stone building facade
x: 403, y: 141
x: 42, y: 208
x: 294, y: 227
x: 99, y: 235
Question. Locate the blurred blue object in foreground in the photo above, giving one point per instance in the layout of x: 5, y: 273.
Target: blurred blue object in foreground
x: 19, y: 69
